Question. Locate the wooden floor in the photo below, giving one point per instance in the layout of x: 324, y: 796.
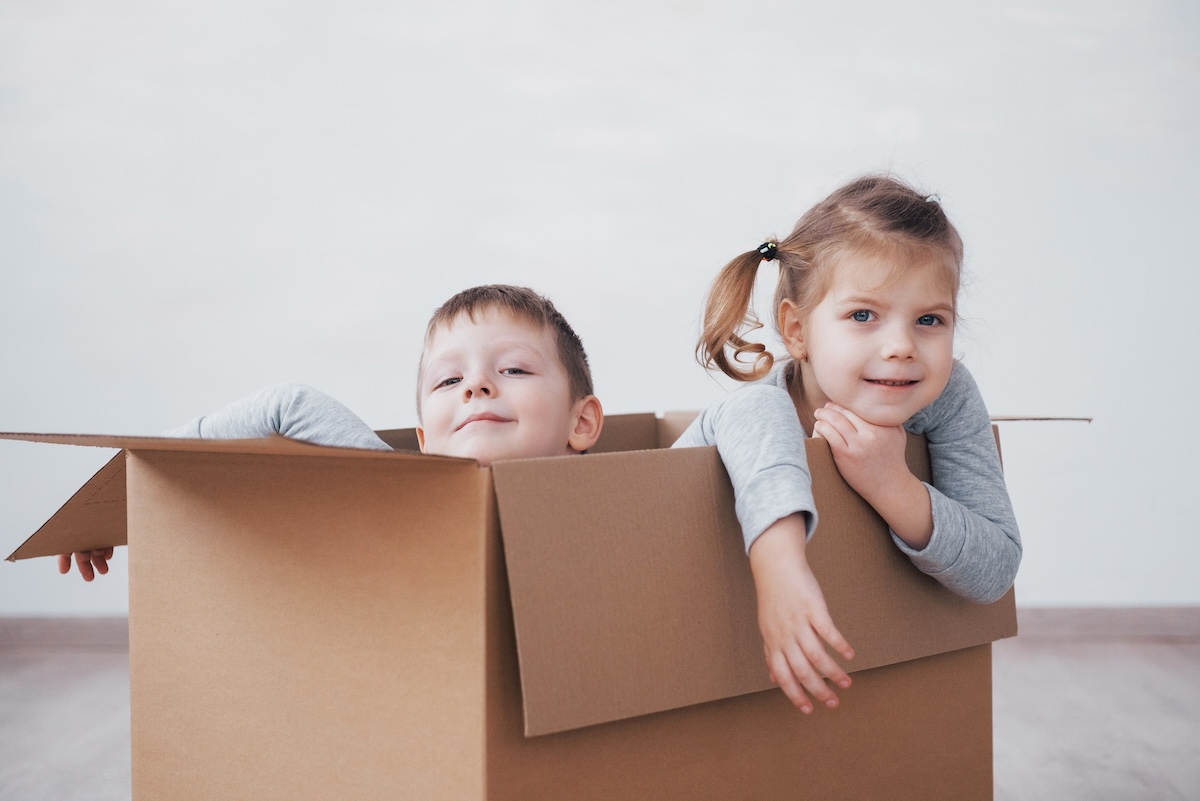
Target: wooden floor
x: 1089, y: 704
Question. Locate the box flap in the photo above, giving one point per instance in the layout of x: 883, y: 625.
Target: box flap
x: 95, y: 516
x: 632, y: 593
x: 621, y: 432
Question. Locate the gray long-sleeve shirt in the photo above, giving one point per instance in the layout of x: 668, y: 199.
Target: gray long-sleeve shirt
x: 293, y: 410
x: 975, y: 548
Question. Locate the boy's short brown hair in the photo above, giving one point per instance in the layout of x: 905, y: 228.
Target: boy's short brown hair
x: 524, y: 304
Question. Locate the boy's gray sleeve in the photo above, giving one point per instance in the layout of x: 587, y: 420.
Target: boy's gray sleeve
x: 293, y: 410
x: 761, y: 443
x: 975, y: 548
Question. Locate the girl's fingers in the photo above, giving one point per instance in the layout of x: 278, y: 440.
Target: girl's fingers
x: 833, y: 425
x: 825, y: 666
x: 829, y: 633
x: 829, y: 433
x: 64, y: 563
x: 853, y: 419
x: 808, y: 668
x: 786, y: 679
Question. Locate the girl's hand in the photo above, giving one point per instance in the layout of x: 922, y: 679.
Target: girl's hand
x: 871, y: 460
x: 867, y: 455
x: 90, y: 562
x: 794, y: 620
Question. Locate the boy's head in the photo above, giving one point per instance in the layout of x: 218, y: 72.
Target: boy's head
x: 503, y: 376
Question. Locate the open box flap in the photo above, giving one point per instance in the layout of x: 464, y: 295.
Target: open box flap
x: 632, y: 593
x: 95, y: 516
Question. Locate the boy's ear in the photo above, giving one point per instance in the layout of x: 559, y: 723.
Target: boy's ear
x: 589, y: 419
x: 421, y: 439
x: 791, y: 329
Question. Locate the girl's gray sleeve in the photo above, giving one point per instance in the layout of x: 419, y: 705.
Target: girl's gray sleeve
x: 761, y: 443
x: 293, y: 410
x: 975, y: 548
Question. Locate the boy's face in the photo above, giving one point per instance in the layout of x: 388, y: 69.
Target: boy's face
x: 494, y: 388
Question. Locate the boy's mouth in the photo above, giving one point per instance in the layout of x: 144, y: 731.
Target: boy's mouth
x: 884, y: 383
x: 483, y: 417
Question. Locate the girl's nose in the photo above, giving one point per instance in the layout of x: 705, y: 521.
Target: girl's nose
x: 899, y: 345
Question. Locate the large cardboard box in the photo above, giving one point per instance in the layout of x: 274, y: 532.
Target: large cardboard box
x: 312, y: 622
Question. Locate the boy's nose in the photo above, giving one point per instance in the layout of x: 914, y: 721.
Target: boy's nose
x: 477, y: 385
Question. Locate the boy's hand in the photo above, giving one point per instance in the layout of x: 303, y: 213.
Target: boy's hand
x: 90, y: 562
x: 794, y: 620
x: 871, y: 460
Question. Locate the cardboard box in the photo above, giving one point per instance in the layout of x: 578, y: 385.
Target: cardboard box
x: 312, y: 622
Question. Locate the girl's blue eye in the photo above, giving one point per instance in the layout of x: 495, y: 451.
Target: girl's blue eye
x: 928, y: 319
x: 449, y: 382
x: 513, y: 371
x: 861, y: 316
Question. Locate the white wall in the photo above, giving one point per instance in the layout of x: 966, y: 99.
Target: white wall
x: 200, y: 199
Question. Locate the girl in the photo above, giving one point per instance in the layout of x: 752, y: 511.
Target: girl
x: 866, y: 307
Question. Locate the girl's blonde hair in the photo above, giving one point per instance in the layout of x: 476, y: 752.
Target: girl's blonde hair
x: 875, y: 215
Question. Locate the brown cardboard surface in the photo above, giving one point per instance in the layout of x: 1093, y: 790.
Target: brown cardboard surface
x: 306, y: 628
x: 639, y: 598
x: 920, y: 729
x: 621, y: 432
x: 310, y: 622
x: 94, y: 517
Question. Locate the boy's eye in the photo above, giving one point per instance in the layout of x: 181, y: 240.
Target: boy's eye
x: 446, y: 382
x: 861, y: 316
x: 929, y: 319
x: 514, y: 371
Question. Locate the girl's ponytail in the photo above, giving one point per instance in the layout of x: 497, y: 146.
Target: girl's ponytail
x: 728, y: 314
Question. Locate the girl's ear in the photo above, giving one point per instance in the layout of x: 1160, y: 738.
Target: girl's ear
x: 791, y: 328
x: 589, y: 419
x: 421, y: 439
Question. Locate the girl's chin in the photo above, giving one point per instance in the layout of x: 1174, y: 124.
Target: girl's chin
x: 884, y: 418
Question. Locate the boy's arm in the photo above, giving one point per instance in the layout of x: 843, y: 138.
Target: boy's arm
x: 293, y: 410
x: 290, y: 409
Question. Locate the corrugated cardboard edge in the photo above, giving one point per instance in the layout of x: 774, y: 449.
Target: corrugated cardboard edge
x: 95, y: 515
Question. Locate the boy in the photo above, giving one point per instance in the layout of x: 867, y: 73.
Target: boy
x: 502, y: 376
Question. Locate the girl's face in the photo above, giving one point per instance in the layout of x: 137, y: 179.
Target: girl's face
x: 880, y: 342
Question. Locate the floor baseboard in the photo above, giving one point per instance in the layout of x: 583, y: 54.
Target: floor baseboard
x: 1046, y: 623
x: 74, y: 632
x: 1176, y: 624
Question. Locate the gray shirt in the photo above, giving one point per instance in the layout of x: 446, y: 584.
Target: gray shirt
x: 293, y: 410
x: 975, y: 548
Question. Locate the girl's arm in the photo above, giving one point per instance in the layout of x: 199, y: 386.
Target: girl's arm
x: 761, y: 443
x: 961, y: 529
x: 975, y: 548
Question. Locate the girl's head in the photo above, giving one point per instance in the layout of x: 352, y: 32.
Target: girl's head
x: 872, y: 239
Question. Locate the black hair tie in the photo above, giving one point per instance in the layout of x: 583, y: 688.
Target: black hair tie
x: 767, y: 250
